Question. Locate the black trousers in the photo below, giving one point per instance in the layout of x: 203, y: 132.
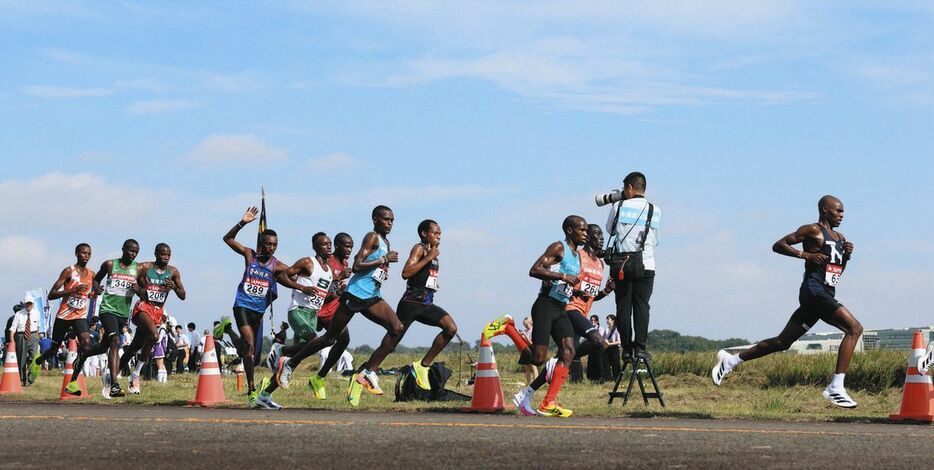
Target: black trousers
x: 612, y: 362
x: 632, y: 309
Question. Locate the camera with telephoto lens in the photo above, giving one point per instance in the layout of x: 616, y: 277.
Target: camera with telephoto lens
x: 609, y: 198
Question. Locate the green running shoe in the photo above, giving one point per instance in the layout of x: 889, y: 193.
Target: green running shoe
x: 219, y: 329
x: 421, y: 375
x: 34, y: 368
x: 354, y: 389
x: 251, y: 399
x: 316, y: 384
x: 73, y: 388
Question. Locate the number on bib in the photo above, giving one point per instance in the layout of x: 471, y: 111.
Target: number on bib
x: 77, y: 303
x: 380, y: 275
x: 254, y: 290
x: 432, y: 282
x: 590, y: 289
x: 157, y: 296
x: 562, y: 289
x: 832, y: 275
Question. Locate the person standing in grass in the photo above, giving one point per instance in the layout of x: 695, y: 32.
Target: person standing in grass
x: 826, y: 253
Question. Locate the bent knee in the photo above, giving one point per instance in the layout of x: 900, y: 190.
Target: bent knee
x: 396, y: 330
x: 451, y: 331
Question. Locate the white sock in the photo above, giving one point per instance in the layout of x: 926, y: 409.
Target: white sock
x: 734, y: 361
x: 139, y: 368
x: 837, y: 382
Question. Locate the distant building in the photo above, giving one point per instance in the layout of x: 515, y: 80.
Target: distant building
x: 817, y: 343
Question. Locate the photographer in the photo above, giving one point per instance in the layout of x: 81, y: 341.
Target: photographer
x: 633, y: 226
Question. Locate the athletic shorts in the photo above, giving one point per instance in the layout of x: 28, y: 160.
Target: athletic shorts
x: 303, y: 321
x: 356, y: 304
x: 154, y: 312
x: 246, y: 317
x: 549, y: 319
x: 426, y: 314
x: 158, y: 350
x: 582, y: 325
x: 61, y: 328
x: 814, y: 307
x: 113, y: 324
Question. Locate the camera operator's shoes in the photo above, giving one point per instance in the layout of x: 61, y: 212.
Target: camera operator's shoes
x: 272, y: 359
x: 722, y: 368
x: 316, y: 384
x: 839, y: 397
x: 550, y: 369
x: 523, y: 401
x: 643, y: 354
x: 496, y: 327
x: 627, y: 356
x: 554, y: 410
x: 925, y: 361
x: 421, y: 375
x: 221, y: 327
x: 283, y: 372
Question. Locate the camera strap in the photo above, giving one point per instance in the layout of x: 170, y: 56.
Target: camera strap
x: 648, y: 226
x: 631, y: 227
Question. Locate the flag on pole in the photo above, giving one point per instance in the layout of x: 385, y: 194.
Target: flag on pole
x: 258, y: 354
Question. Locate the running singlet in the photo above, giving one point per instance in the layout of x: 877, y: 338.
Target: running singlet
x: 75, y: 306
x: 118, y: 291
x: 365, y: 285
x: 337, y: 270
x: 157, y: 292
x: 320, y: 280
x: 570, y: 265
x: 258, y: 288
x: 422, y: 286
x: 591, y: 278
x: 823, y: 277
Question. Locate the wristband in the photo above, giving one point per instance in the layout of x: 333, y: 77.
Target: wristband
x: 241, y: 224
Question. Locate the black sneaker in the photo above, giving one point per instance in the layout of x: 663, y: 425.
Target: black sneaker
x: 643, y: 354
x: 116, y: 391
x: 627, y: 356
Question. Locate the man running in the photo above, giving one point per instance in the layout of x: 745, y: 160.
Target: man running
x: 370, y: 270
x: 825, y: 253
x: 116, y: 299
x: 417, y: 304
x: 559, y: 269
x: 256, y: 291
x: 154, y: 280
x: 586, y: 291
x: 73, y: 286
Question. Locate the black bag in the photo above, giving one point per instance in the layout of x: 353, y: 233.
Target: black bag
x: 438, y: 375
x: 628, y: 264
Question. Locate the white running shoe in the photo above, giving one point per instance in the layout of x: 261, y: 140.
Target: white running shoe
x: 133, y: 384
x: 550, y: 369
x: 105, y: 378
x: 283, y: 372
x: 839, y: 397
x: 523, y: 394
x: 720, y: 370
x: 265, y: 401
x: 371, y: 384
x: 926, y: 361
x: 523, y: 401
x: 272, y: 359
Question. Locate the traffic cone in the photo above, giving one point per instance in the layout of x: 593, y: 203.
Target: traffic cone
x: 69, y: 369
x: 918, y: 397
x: 487, y: 391
x: 210, y: 384
x: 10, y: 383
x: 240, y: 376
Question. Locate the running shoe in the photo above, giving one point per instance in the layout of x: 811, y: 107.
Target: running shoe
x: 925, y: 361
x: 105, y: 390
x: 370, y: 382
x: 73, y: 388
x: 496, y: 327
x: 34, y: 368
x: 283, y: 372
x: 221, y: 327
x: 523, y: 401
x: 316, y: 384
x: 554, y: 410
x: 720, y: 370
x: 252, y: 399
x: 550, y: 369
x: 116, y: 391
x: 265, y: 401
x: 272, y: 359
x: 421, y: 375
x: 839, y: 397
x: 133, y: 383
x: 354, y: 390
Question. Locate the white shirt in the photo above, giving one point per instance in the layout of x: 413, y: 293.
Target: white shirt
x: 181, y: 341
x: 19, y: 321
x: 633, y: 214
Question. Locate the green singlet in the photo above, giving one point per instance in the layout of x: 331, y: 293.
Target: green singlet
x: 118, y: 292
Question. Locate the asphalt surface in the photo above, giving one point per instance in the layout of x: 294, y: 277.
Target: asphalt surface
x: 84, y: 436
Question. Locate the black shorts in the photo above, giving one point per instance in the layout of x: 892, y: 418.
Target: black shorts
x: 410, y: 312
x: 62, y: 327
x: 247, y: 317
x: 582, y: 325
x: 113, y: 324
x: 356, y: 304
x: 814, y: 307
x: 549, y: 319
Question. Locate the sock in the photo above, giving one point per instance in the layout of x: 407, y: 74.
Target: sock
x: 139, y: 368
x: 734, y: 361
x: 837, y: 382
x: 539, y: 381
x: 557, y: 379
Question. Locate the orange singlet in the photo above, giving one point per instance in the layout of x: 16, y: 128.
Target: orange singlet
x: 75, y: 306
x: 591, y: 279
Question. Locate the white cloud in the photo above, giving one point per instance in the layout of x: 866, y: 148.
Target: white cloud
x: 237, y: 148
x: 50, y: 91
x: 160, y: 106
x: 335, y: 161
x: 16, y: 251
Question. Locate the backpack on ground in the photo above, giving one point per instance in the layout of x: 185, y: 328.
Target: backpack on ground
x: 438, y: 375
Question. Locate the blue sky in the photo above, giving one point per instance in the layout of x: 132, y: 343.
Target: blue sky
x: 161, y: 121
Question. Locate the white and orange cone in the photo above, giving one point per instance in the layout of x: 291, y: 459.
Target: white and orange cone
x: 10, y: 382
x: 918, y: 396
x: 210, y: 383
x: 487, y: 391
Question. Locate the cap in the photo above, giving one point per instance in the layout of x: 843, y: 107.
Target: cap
x: 28, y: 299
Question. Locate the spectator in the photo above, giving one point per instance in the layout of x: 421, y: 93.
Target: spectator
x: 44, y: 344
x: 282, y: 335
x: 194, y: 345
x: 24, y: 329
x: 158, y: 354
x: 595, y: 359
x: 343, y: 364
x: 612, y: 349
x: 183, y: 346
x: 531, y: 370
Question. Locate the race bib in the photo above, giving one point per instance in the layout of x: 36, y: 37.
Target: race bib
x: 432, y: 282
x: 317, y: 301
x: 77, y: 303
x: 255, y: 288
x: 590, y: 289
x: 157, y: 296
x: 121, y: 284
x: 832, y: 275
x: 561, y: 289
x: 380, y: 275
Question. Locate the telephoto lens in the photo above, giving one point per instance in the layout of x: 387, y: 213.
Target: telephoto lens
x: 608, y: 198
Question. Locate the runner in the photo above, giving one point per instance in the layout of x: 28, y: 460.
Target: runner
x: 370, y: 270
x: 73, y: 286
x: 116, y: 298
x: 825, y: 253
x: 417, y: 304
x: 256, y: 291
x: 586, y: 292
x: 154, y: 280
x: 558, y: 268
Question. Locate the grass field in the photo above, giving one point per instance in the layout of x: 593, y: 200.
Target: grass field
x: 783, y: 387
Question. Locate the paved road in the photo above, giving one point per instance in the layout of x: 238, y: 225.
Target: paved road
x: 52, y: 435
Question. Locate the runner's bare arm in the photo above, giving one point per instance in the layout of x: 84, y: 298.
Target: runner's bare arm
x: 418, y: 259
x: 175, y: 283
x: 91, y: 292
x: 784, y: 245
x: 230, y: 238
x: 106, y: 268
x: 368, y: 246
x: 56, y: 292
x: 285, y: 273
x: 847, y: 247
x: 553, y: 255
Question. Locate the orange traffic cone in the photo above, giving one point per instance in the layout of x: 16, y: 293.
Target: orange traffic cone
x: 487, y: 392
x: 210, y: 385
x: 918, y: 397
x: 69, y: 370
x: 10, y: 383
